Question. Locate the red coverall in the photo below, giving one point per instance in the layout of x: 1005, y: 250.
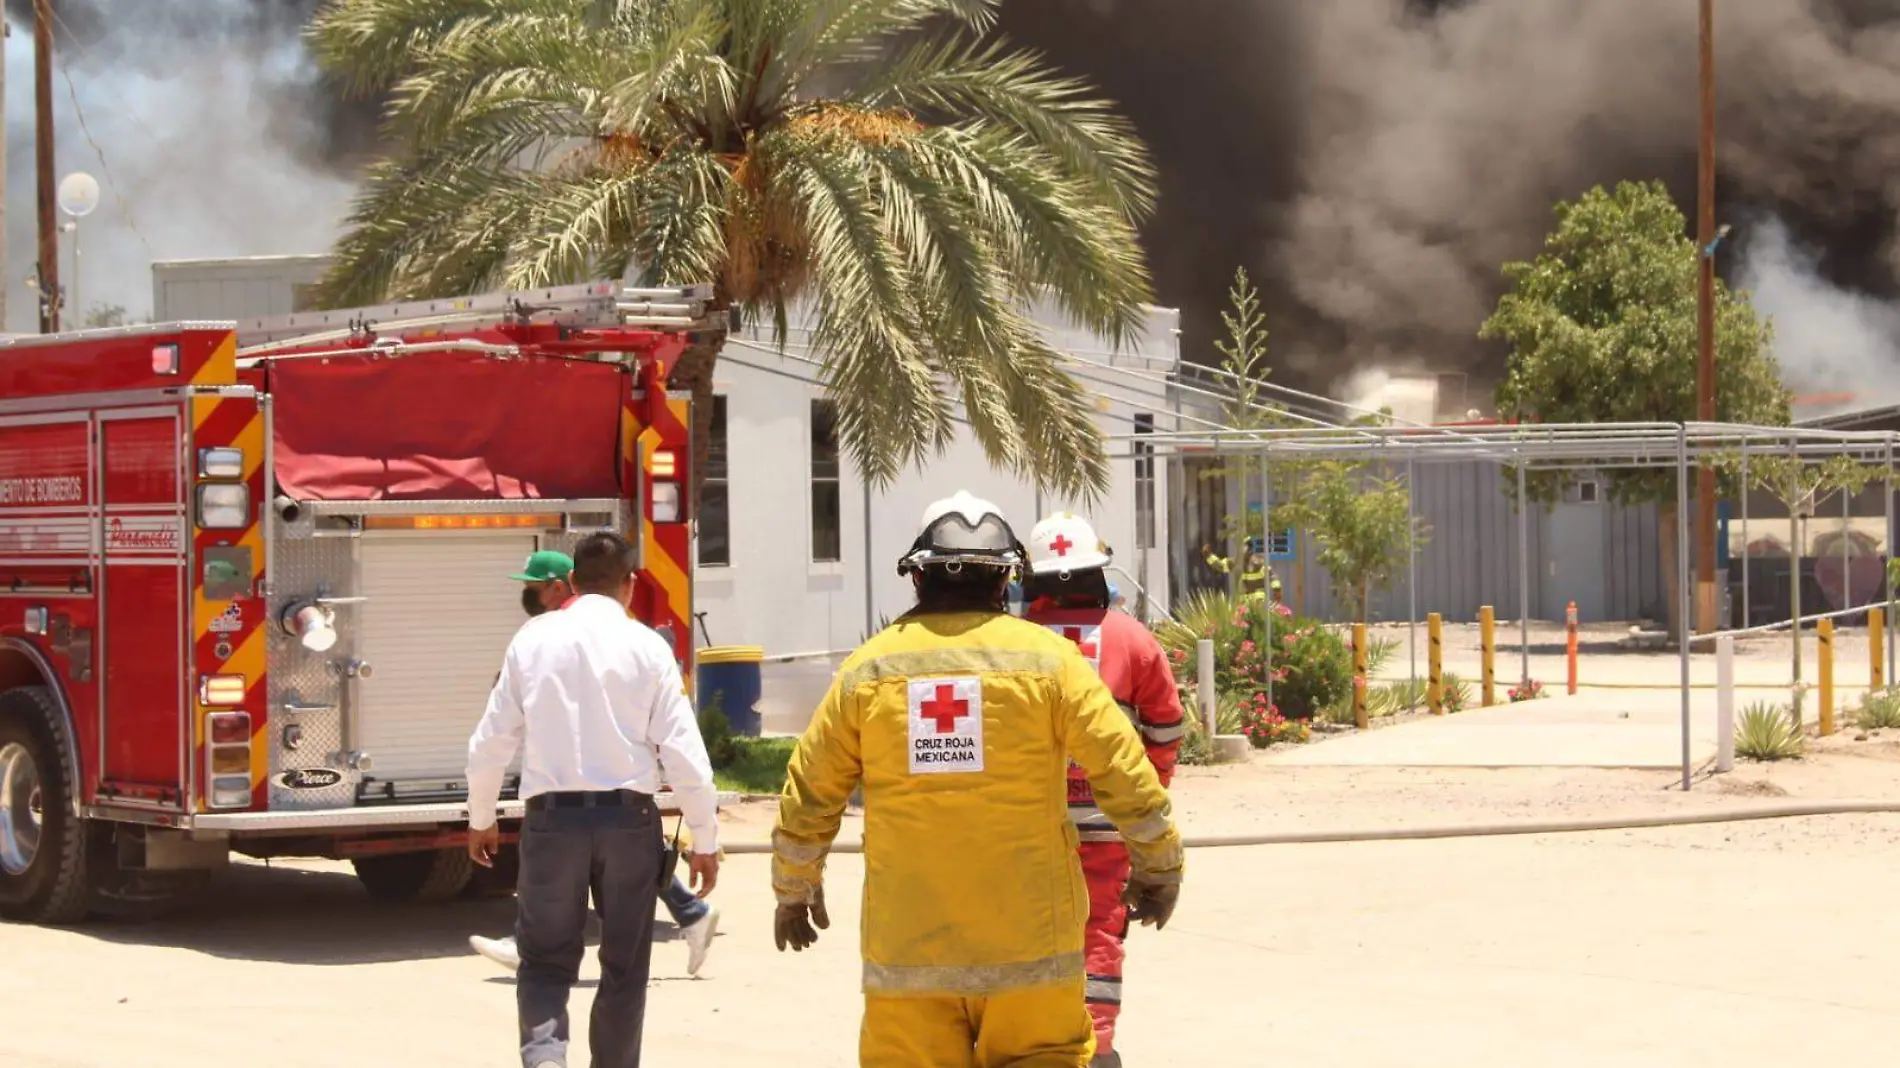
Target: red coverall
x: 1136, y: 670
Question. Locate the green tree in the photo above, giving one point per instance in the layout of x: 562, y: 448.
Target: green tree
x: 1797, y: 483
x: 1602, y: 328
x: 1358, y: 516
x: 916, y: 185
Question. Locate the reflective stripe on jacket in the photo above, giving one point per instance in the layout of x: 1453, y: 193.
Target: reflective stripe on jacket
x: 971, y: 886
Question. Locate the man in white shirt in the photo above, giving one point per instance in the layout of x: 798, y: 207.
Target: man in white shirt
x: 604, y: 714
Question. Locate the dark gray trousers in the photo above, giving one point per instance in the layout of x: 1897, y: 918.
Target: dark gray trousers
x: 567, y: 853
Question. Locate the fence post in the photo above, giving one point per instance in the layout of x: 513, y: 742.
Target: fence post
x: 1204, y: 686
x: 1725, y: 703
x: 1359, y: 718
x: 1435, y: 663
x: 1877, y: 648
x: 1570, y: 645
x: 1488, y: 646
x: 1824, y: 634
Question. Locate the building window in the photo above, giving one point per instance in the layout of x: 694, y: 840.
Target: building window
x: 715, y: 515
x: 827, y: 526
x: 1144, y: 482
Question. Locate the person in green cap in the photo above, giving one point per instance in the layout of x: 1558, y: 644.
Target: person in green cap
x: 546, y: 587
x: 544, y: 581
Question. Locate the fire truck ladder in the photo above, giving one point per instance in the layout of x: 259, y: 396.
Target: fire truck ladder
x: 591, y: 304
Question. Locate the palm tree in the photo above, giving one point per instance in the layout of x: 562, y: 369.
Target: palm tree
x: 913, y: 184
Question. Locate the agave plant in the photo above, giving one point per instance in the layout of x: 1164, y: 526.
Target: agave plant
x: 912, y: 185
x: 1765, y: 731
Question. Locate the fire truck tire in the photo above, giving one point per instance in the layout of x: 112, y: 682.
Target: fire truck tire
x: 51, y: 885
x: 498, y: 881
x: 431, y: 876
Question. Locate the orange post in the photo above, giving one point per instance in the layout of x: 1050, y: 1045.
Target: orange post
x: 1435, y: 661
x: 1570, y: 643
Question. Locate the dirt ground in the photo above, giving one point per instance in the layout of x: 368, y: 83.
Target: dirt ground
x: 1654, y: 947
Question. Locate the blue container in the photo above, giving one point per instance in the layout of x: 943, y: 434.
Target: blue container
x: 731, y: 675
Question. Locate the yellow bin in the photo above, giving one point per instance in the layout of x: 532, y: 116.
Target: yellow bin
x: 733, y: 676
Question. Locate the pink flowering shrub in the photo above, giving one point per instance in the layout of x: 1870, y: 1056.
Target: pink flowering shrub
x: 1311, y: 666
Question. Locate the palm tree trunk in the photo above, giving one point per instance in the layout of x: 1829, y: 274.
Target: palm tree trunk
x: 694, y: 374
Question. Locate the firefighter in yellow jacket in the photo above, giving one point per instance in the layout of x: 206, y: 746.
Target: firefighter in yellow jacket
x: 960, y: 720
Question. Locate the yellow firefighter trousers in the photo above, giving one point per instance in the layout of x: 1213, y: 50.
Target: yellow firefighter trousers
x: 1043, y: 1027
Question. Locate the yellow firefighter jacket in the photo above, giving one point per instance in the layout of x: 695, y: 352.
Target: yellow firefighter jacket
x: 960, y: 727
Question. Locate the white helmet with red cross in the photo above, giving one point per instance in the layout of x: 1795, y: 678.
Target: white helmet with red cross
x: 1066, y: 543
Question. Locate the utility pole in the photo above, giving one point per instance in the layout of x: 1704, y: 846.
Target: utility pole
x: 1705, y: 326
x: 43, y: 164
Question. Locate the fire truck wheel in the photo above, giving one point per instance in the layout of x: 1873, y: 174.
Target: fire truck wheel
x: 42, y: 847
x: 436, y: 875
x: 498, y: 881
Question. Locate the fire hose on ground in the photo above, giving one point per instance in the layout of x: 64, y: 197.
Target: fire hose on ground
x: 1787, y: 810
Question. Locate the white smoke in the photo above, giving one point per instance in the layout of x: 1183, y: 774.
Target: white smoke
x: 1827, y: 339
x: 195, y: 164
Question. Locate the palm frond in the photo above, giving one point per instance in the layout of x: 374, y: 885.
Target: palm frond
x: 1016, y: 92
x: 919, y: 210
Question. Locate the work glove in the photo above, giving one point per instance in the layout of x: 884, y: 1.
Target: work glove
x: 1150, y: 902
x: 793, y: 925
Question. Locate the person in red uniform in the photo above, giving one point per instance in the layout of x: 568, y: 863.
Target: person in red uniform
x: 1067, y: 591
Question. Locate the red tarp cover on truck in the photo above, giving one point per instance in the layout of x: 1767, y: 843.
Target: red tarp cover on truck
x: 446, y: 426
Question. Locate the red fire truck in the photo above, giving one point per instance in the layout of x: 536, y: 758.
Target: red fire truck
x: 254, y: 578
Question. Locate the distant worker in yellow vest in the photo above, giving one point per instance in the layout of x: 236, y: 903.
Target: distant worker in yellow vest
x: 958, y: 720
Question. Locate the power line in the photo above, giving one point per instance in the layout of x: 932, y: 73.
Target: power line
x: 79, y: 112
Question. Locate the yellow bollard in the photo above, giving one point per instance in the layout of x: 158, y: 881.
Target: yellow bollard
x: 1435, y: 663
x: 1877, y: 645
x: 1824, y: 634
x: 1488, y: 639
x: 1359, y: 675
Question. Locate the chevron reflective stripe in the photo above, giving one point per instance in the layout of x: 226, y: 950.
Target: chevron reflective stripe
x: 1103, y: 990
x: 230, y: 636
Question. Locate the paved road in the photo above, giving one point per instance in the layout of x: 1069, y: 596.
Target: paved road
x: 1730, y: 946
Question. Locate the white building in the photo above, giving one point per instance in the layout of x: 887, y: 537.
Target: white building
x: 796, y: 553
x: 794, y: 566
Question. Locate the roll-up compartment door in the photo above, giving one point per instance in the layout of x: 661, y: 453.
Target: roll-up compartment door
x: 441, y: 610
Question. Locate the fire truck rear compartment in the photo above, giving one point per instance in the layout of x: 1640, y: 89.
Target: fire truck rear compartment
x: 422, y: 618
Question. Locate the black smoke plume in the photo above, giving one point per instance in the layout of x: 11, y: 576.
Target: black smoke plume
x: 1374, y: 161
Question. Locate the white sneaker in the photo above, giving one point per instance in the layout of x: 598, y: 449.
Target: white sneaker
x: 699, y: 940
x: 500, y: 950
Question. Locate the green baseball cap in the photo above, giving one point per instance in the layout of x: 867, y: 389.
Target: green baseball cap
x: 545, y: 566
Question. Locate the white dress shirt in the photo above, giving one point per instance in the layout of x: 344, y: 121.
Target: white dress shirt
x: 600, y: 702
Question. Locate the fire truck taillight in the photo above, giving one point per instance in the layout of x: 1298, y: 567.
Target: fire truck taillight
x: 666, y: 502
x: 224, y: 505
x: 221, y: 463
x: 229, y: 728
x: 165, y: 359
x: 228, y: 757
x: 221, y: 690
x: 665, y: 465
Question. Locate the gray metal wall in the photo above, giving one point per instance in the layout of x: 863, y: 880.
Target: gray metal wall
x: 1471, y: 557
